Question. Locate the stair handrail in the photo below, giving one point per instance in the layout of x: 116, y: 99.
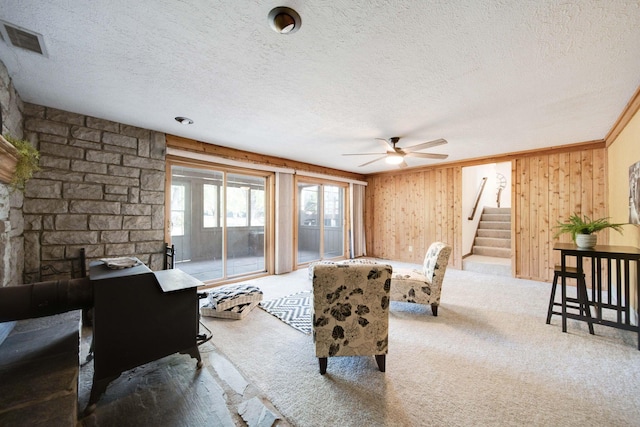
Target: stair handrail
x: 478, y: 196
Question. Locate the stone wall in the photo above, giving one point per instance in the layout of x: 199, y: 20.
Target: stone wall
x: 11, y: 222
x: 101, y: 188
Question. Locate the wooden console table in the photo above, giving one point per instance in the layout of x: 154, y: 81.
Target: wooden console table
x: 611, y: 269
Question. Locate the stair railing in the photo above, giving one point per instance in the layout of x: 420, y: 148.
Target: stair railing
x: 478, y: 196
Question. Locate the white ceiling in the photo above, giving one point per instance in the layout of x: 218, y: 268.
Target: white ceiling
x: 488, y: 76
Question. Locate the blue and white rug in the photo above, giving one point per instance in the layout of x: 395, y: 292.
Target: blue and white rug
x: 294, y: 310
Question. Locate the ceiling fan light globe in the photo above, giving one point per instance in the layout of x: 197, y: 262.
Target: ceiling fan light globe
x: 394, y: 159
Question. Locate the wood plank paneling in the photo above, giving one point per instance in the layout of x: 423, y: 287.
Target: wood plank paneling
x: 523, y: 256
x: 555, y: 203
x: 533, y: 212
x: 416, y: 208
x: 544, y: 227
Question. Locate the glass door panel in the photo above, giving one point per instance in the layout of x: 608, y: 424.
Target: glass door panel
x: 180, y: 227
x: 308, y: 222
x: 195, y: 230
x: 321, y: 227
x: 245, y: 224
x: 217, y: 222
x: 333, y: 232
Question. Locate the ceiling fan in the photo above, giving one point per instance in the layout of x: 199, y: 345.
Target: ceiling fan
x: 395, y: 155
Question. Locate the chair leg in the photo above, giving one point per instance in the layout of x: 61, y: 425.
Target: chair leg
x: 552, y: 297
x: 434, y: 309
x: 323, y: 365
x: 381, y: 361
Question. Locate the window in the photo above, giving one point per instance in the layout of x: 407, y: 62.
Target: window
x: 178, y: 207
x: 309, y: 205
x: 210, y: 205
x: 332, y: 206
x: 237, y: 206
x: 257, y: 207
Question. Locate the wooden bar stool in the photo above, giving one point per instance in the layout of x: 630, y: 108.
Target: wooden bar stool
x: 570, y: 273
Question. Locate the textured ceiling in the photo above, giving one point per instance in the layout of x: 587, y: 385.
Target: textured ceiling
x: 488, y: 76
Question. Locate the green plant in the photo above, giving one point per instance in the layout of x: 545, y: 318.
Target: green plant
x: 584, y: 225
x: 28, y: 159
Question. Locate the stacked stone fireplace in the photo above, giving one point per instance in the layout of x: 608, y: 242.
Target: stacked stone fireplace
x: 101, y: 187
x: 11, y: 220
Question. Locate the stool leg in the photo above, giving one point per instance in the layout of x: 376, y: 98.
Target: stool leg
x: 583, y: 297
x: 552, y: 298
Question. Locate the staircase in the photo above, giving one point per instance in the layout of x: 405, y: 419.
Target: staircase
x: 493, y: 237
x: 491, y: 252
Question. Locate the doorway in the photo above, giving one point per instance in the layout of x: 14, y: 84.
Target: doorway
x: 486, y: 215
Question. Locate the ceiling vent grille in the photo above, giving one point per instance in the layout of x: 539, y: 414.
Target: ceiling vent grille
x: 22, y: 38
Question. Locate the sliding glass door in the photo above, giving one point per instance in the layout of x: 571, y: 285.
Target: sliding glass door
x: 245, y: 223
x: 321, y: 221
x: 218, y: 222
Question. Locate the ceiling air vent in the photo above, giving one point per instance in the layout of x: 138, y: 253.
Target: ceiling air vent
x: 22, y: 38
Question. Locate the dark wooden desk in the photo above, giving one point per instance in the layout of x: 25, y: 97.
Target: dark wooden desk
x: 611, y: 269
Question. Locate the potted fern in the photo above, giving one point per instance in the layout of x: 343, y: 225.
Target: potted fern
x: 583, y: 229
x: 22, y: 160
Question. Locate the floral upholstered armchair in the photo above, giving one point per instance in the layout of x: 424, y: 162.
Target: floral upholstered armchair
x: 351, y: 311
x: 423, y: 286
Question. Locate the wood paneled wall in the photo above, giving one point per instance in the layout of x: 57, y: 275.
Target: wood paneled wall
x: 549, y: 188
x: 412, y: 210
x: 416, y: 208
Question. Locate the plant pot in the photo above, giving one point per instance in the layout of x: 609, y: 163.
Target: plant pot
x: 8, y: 160
x: 586, y: 241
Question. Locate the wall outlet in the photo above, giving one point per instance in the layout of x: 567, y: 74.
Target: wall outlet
x: 410, y: 248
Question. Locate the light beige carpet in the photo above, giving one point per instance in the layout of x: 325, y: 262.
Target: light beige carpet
x: 487, y: 359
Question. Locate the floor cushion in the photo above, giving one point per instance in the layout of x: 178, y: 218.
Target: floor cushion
x: 237, y: 312
x: 225, y: 297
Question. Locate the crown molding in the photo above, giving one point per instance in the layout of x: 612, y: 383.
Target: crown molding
x: 632, y: 107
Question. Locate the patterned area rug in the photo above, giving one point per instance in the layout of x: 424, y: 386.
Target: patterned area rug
x: 294, y: 310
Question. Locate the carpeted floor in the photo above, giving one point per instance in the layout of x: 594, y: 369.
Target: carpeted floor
x: 487, y: 359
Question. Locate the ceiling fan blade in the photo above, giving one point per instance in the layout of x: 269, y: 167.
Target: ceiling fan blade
x: 428, y: 155
x: 403, y: 165
x: 424, y: 145
x: 363, y: 154
x: 372, y: 161
x: 388, y: 145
